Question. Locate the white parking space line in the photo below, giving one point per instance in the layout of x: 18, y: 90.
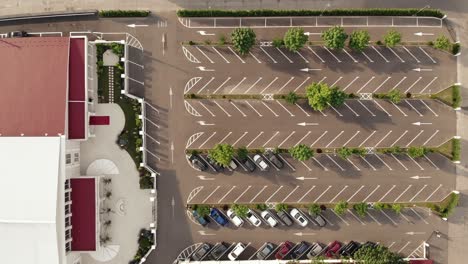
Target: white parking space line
x: 401, y: 194
x: 375, y: 101
x: 321, y: 165
x: 381, y: 55
x: 285, y: 109
x: 331, y: 106
x: 268, y: 86
x: 305, y: 194
x: 388, y: 217
x: 224, y: 138
x: 287, y: 196
x: 204, y: 86
x: 229, y: 115
x: 352, y: 163
x: 429, y: 139
x: 349, y: 84
x: 339, y: 217
x: 336, y: 163
x: 203, y: 53
x: 208, y: 139
x: 299, y: 142
x: 386, y: 165
x: 320, y: 196
x: 248, y: 188
x: 349, y: 140
x: 305, y: 60
x: 362, y: 143
x: 307, y: 114
x: 406, y: 218
x: 255, y: 83
x: 305, y: 165
x: 286, y: 139
x: 401, y: 249
x: 373, y: 218
x: 412, y: 85
x: 354, y: 112
x: 415, y: 162
x: 277, y: 132
x: 219, y: 87
x: 391, y: 245
x: 432, y: 111
x: 323, y: 79
x: 254, y: 57
x: 427, y: 55
x: 350, y: 55
x: 416, y: 110
x: 420, y: 217
x: 281, y: 187
x: 321, y: 136
x: 236, y: 55
x: 328, y: 221
x: 238, y: 109
x: 280, y: 51
x: 338, y: 60
x: 237, y: 141
x: 429, y: 84
x: 268, y: 55
x: 367, y: 57
x: 282, y: 87
x: 432, y: 194
x: 206, y: 199
x: 398, y: 84
x: 385, y: 195
x: 416, y: 195
x: 253, y: 140
x: 396, y: 54
x: 364, y: 86
x: 228, y: 192
x: 264, y: 187
x: 242, y: 165
x: 237, y: 85
x: 399, y: 161
x: 206, y: 108
x: 287, y: 163
x: 383, y: 138
x: 247, y: 102
x: 409, y: 143
x: 378, y: 87
x: 276, y: 115
x: 402, y: 135
x: 322, y: 113
x: 368, y: 110
x: 221, y: 55
x: 414, y: 57
x: 352, y: 196
x: 370, y: 194
x: 336, y: 81
x: 315, y: 53
x: 357, y: 218
x: 430, y: 161
x: 329, y: 143
x: 300, y: 85
x: 399, y: 109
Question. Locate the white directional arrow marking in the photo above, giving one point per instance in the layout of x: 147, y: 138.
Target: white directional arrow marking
x: 203, y: 123
x: 309, y: 69
x: 420, y: 69
x: 311, y: 33
x: 203, y: 233
x: 423, y: 34
x: 420, y: 177
x: 305, y: 178
x: 307, y: 124
x: 134, y: 25
x: 421, y: 123
x: 172, y: 152
x: 204, y: 178
x: 415, y: 233
x: 172, y: 204
x: 170, y: 96
x: 304, y: 234
x: 203, y: 68
x: 203, y: 33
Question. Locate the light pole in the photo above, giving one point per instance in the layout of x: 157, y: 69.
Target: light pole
x: 425, y: 7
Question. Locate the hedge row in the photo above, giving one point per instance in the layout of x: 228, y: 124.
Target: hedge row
x: 332, y: 12
x: 124, y: 13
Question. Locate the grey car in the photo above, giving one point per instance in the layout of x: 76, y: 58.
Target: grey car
x: 315, y: 250
x: 218, y: 251
x: 265, y: 251
x: 201, y: 252
x: 285, y: 218
x: 320, y: 221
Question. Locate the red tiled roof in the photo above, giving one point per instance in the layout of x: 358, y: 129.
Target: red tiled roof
x: 99, y: 120
x: 76, y: 120
x: 83, y: 218
x: 33, y: 74
x: 76, y: 91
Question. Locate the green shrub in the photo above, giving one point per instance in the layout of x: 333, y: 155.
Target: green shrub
x: 392, y: 38
x: 455, y: 48
x: 361, y: 209
x: 243, y: 39
x: 294, y: 39
x: 301, y: 152
x: 416, y: 152
x: 191, y: 43
x: 222, y: 153
x: 394, y: 96
x: 442, y: 43
x: 344, y: 152
x: 242, y: 153
x: 456, y: 149
x: 397, y: 208
x: 314, y: 209
x: 292, y: 97
x: 261, y: 207
x: 359, y: 40
x: 281, y: 207
x: 222, y: 40
x: 240, y: 210
x: 320, y: 96
x: 456, y: 96
x: 146, y: 182
x: 340, y: 207
x: 359, y: 151
x: 378, y: 206
x: 124, y: 13
x: 207, y: 42
x: 334, y: 37
x: 202, y: 210
x: 278, y: 42
x: 393, y: 150
x: 447, y: 210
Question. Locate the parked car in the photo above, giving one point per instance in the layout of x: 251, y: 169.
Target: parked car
x: 332, y: 249
x: 201, y: 251
x: 269, y: 218
x: 273, y: 158
x: 200, y: 219
x: 283, y: 251
x: 236, y: 220
x: 318, y: 219
x: 215, y: 165
x: 253, y: 218
x: 265, y: 251
x: 315, y: 250
x: 238, y: 249
x: 249, y: 165
x: 261, y: 162
x: 298, y: 217
x: 349, y: 249
x: 232, y: 165
x: 218, y: 217
x: 369, y: 244
x: 198, y: 163
x: 285, y: 218
x: 17, y: 34
x: 300, y: 250
x: 218, y: 251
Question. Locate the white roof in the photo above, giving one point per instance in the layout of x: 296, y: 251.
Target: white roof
x: 29, y: 171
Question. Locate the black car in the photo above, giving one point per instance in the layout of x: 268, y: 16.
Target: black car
x: 285, y: 218
x: 17, y: 34
x: 215, y: 165
x: 265, y: 251
x: 218, y: 251
x: 300, y: 250
x: 349, y: 249
x: 369, y: 244
x: 201, y: 251
x: 198, y: 163
x: 249, y: 165
x: 200, y: 219
x: 274, y: 159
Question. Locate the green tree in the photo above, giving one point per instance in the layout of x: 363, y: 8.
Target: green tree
x: 392, y: 38
x: 393, y: 150
x: 344, y: 152
x: 314, y: 209
x: 442, y: 42
x: 242, y: 153
x: 294, y: 39
x: 243, y: 39
x: 301, y: 152
x: 416, y: 152
x: 360, y: 151
x: 361, y: 209
x: 397, y: 208
x: 340, y: 207
x: 337, y: 97
x: 240, y: 210
x: 394, y: 96
x: 281, y: 207
x: 335, y: 37
x: 202, y: 210
x: 320, y: 96
x: 359, y: 40
x: 278, y: 42
x: 378, y: 206
x: 377, y: 255
x: 292, y: 97
x: 222, y: 153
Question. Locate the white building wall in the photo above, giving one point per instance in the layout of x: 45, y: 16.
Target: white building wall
x: 72, y: 158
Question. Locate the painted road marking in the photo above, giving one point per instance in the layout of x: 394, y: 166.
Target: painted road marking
x: 427, y: 55
x: 222, y: 198
x: 305, y: 165
x: 219, y: 87
x: 236, y: 55
x: 206, y: 108
x: 429, y: 197
x: 416, y: 195
x: 356, y: 114
x: 383, y: 138
x: 300, y: 85
x: 336, y: 163
x: 350, y: 55
x: 367, y: 57
x: 334, y: 109
x: 398, y: 84
x: 229, y: 115
x: 199, y: 91
x: 277, y: 132
x: 401, y: 249
x: 316, y: 54
x: 368, y: 163
x: 416, y: 110
x: 368, y: 196
x: 243, y: 135
x: 220, y: 55
x: 321, y: 165
x: 414, y: 57
x: 428, y: 108
x: 352, y: 196
x: 203, y: 53
x: 415, y: 162
x: 396, y: 54
x: 409, y: 186
x: 237, y: 85
x: 287, y: 163
x: 248, y: 188
x: 355, y: 134
x: 429, y: 139
x: 383, y: 57
x: 313, y: 143
x: 255, y: 83
x: 411, y: 86
x: 388, y: 217
x: 291, y: 114
x: 375, y: 101
x: 349, y: 84
x: 248, y: 145
x: 281, y: 187
x: 286, y: 139
x: 322, y: 113
x: 282, y: 87
x: 322, y: 194
x: 399, y: 161
x: 334, y: 139
x: 373, y: 218
x: 242, y: 113
x: 430, y: 161
x: 276, y: 115
x: 383, y: 162
x: 305, y: 60
x: 409, y: 143
x: 247, y: 102
x: 370, y: 80
x: 217, y: 187
x: 399, y: 109
x: 362, y: 143
x: 378, y: 87
x: 368, y: 110
x: 268, y: 55
x: 307, y: 114
x: 264, y: 187
x: 255, y: 57
x: 268, y: 86
x: 424, y: 89
x: 308, y: 133
x: 290, y: 61
x: 420, y: 217
x: 393, y: 187
x: 340, y: 217
x: 212, y: 135
x: 285, y: 198
x: 323, y: 79
x: 300, y: 199
x: 222, y: 140
x: 338, y: 60
x: 402, y: 135
x: 336, y: 81
x: 357, y: 218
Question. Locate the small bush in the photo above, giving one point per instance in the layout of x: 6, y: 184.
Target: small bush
x: 379, y: 43
x: 397, y: 208
x: 359, y: 151
x: 452, y: 203
x: 261, y: 207
x: 393, y: 150
x: 392, y: 38
x: 394, y: 96
x: 344, y: 152
x: 242, y: 153
x: 292, y: 97
x: 301, y: 152
x: 222, y: 40
x: 191, y: 96
x: 455, y: 48
x: 207, y: 42
x: 278, y: 42
x: 456, y: 149
x: 442, y: 43
x: 124, y: 13
x: 379, y: 206
x: 146, y: 182
x: 361, y: 209
x: 191, y: 43
x: 281, y: 207
x: 416, y: 152
x: 340, y: 207
x: 202, y: 210
x: 314, y: 209
x: 456, y: 96
x: 240, y: 210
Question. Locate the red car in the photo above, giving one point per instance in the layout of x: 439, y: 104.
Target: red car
x: 284, y: 250
x: 332, y: 249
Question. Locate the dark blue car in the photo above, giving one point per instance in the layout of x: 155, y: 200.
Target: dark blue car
x: 218, y: 217
x: 200, y: 219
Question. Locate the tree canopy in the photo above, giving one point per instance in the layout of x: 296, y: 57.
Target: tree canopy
x: 320, y: 96
x: 222, y: 153
x: 294, y: 39
x: 377, y: 255
x: 392, y: 38
x: 243, y: 39
x: 335, y: 37
x: 301, y: 152
x: 359, y: 40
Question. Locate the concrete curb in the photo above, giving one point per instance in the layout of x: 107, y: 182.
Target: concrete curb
x: 48, y: 15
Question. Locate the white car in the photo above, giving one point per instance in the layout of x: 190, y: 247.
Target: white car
x: 298, y: 217
x: 253, y: 218
x: 236, y: 220
x: 261, y: 162
x: 269, y: 218
x: 238, y: 249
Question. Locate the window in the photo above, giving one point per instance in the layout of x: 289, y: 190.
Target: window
x: 67, y: 197
x: 67, y: 209
x: 67, y: 234
x: 67, y: 221
x: 68, y: 247
x: 67, y: 184
x: 76, y: 158
x: 68, y: 159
